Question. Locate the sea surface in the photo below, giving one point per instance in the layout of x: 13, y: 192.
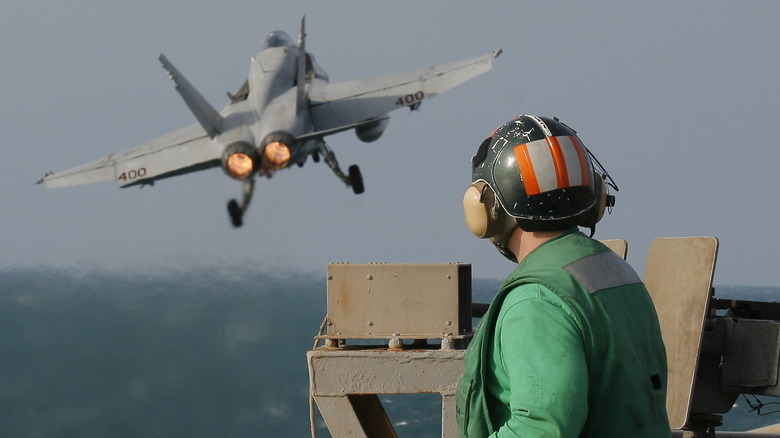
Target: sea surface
x: 207, y: 352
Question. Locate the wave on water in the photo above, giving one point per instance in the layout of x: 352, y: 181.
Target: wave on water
x: 197, y: 353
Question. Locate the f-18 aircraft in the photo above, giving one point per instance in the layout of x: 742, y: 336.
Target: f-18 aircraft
x: 277, y: 118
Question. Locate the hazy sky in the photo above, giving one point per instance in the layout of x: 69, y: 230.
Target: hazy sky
x: 679, y: 100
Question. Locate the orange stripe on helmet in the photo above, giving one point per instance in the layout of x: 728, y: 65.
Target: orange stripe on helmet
x: 583, y: 159
x: 527, y: 169
x: 559, y: 161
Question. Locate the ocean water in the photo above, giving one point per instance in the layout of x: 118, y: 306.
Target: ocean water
x: 199, y: 353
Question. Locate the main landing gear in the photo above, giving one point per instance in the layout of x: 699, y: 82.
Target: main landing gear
x: 354, y: 179
x: 235, y: 210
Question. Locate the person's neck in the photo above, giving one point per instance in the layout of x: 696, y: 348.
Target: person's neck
x: 522, y: 242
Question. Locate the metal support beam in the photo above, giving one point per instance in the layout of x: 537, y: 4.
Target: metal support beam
x: 345, y: 382
x: 355, y: 415
x: 449, y: 423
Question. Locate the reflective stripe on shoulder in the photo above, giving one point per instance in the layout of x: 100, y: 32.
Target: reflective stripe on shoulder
x: 601, y: 271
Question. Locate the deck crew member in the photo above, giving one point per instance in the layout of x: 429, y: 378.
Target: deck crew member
x: 570, y: 345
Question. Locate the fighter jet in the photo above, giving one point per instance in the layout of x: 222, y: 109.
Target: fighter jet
x: 278, y: 118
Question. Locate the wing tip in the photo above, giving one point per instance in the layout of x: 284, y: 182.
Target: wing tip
x: 42, y: 179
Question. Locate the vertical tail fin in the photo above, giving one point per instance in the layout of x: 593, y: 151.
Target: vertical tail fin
x: 300, y: 101
x: 207, y: 116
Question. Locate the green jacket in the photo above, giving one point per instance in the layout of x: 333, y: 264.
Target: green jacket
x: 570, y: 347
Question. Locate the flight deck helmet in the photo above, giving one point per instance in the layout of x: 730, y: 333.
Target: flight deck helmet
x: 534, y: 172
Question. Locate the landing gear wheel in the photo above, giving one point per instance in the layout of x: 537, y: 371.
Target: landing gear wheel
x: 235, y: 212
x: 356, y: 179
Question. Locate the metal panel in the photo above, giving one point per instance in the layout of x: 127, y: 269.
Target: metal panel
x: 750, y: 362
x: 679, y: 278
x: 424, y: 301
x: 618, y: 246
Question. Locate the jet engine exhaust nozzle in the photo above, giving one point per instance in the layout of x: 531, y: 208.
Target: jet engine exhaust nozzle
x: 239, y: 160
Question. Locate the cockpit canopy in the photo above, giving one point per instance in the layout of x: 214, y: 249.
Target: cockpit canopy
x: 277, y: 38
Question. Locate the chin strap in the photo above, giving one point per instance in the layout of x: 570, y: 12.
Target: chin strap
x: 501, y: 240
x: 505, y: 252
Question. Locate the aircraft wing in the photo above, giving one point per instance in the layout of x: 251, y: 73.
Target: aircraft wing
x: 344, y: 103
x: 183, y: 151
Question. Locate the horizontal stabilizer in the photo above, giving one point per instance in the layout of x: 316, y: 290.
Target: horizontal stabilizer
x: 207, y: 115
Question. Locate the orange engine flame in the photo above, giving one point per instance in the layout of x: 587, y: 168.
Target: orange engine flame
x: 240, y: 165
x: 276, y: 155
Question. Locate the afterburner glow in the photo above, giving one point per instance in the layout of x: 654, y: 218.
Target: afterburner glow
x: 276, y: 155
x: 240, y: 165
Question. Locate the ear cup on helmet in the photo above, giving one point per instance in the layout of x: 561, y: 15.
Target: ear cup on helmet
x: 484, y: 215
x: 474, y: 211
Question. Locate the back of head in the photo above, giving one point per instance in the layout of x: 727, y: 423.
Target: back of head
x: 535, y: 173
